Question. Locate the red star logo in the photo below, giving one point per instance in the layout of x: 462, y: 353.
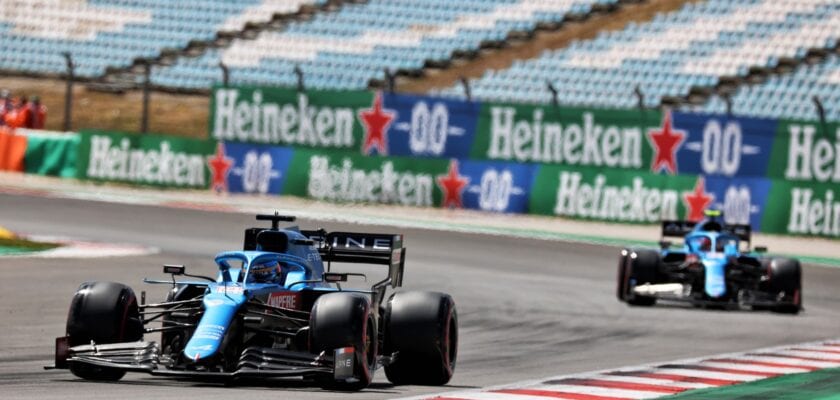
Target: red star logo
x: 376, y: 121
x: 665, y: 142
x: 452, y: 185
x: 697, y: 201
x: 220, y: 165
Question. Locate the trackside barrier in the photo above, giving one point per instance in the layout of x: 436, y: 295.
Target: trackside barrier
x: 39, y: 152
x: 607, y: 165
x: 50, y: 153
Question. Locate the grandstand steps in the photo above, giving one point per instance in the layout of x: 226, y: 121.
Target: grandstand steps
x: 521, y: 45
x: 122, y: 79
x: 729, y: 85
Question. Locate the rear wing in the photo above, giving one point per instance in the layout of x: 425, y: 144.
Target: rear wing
x: 682, y: 228
x: 677, y: 228
x: 364, y: 248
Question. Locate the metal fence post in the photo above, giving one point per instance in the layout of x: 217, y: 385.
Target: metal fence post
x: 144, y: 118
x: 820, y: 113
x: 68, y: 93
x: 553, y: 91
x: 467, y: 92
x: 299, y: 73
x: 225, y: 73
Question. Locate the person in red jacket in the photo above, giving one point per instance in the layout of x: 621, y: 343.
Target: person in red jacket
x: 11, y: 117
x: 37, y: 114
x: 24, y: 114
x: 5, y: 105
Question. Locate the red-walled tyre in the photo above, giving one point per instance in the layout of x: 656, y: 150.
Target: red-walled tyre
x: 422, y: 328
x: 341, y: 320
x: 102, y: 312
x: 785, y: 283
x: 636, y: 267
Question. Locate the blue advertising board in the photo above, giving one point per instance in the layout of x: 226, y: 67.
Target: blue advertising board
x: 742, y: 200
x: 430, y: 127
x: 497, y: 186
x: 717, y: 145
x: 257, y: 169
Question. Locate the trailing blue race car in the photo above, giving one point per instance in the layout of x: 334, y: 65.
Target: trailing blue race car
x: 710, y: 269
x: 273, y: 310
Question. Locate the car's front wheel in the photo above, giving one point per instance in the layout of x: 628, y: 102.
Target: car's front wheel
x: 102, y: 312
x: 636, y: 267
x: 341, y: 321
x: 784, y: 281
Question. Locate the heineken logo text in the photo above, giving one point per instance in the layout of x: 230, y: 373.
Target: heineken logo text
x: 625, y: 203
x: 251, y: 120
x: 811, y: 156
x: 812, y: 215
x: 162, y: 166
x: 344, y: 183
x: 586, y: 143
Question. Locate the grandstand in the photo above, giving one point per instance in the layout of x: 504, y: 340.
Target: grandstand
x: 788, y: 95
x: 694, y: 47
x: 348, y: 48
x: 103, y: 34
x: 768, y: 57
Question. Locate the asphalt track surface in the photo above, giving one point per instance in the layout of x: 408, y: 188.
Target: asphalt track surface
x: 528, y: 308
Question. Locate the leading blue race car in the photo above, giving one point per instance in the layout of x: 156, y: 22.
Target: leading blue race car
x: 274, y: 310
x: 710, y: 269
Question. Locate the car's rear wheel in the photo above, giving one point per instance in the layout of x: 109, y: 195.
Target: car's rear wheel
x: 422, y: 330
x: 102, y: 312
x: 344, y: 320
x: 636, y: 267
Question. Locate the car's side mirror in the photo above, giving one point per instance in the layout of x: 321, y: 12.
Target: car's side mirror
x: 664, y: 244
x: 334, y: 277
x: 174, y: 269
x: 760, y: 249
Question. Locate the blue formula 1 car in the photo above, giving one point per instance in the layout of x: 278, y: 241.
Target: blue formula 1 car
x: 273, y: 310
x: 710, y: 269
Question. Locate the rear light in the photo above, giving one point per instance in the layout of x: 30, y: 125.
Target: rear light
x: 62, y: 351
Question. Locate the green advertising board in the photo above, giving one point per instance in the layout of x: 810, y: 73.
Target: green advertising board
x: 51, y: 153
x: 343, y: 177
x: 279, y: 116
x: 144, y: 159
x: 612, y: 195
x: 802, y: 208
x: 806, y: 152
x: 568, y: 136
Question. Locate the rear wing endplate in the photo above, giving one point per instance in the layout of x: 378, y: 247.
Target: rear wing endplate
x: 363, y: 248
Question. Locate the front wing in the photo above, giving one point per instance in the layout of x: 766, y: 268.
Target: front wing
x: 253, y: 362
x: 680, y: 292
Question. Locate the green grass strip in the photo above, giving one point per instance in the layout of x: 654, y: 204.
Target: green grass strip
x: 22, y: 246
x: 819, y: 385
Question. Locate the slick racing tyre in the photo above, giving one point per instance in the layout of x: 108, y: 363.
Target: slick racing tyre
x: 422, y: 329
x: 785, y: 283
x: 342, y: 320
x: 102, y: 312
x: 636, y: 267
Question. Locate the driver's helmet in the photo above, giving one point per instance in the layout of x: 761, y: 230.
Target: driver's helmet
x: 704, y: 244
x: 265, y: 272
